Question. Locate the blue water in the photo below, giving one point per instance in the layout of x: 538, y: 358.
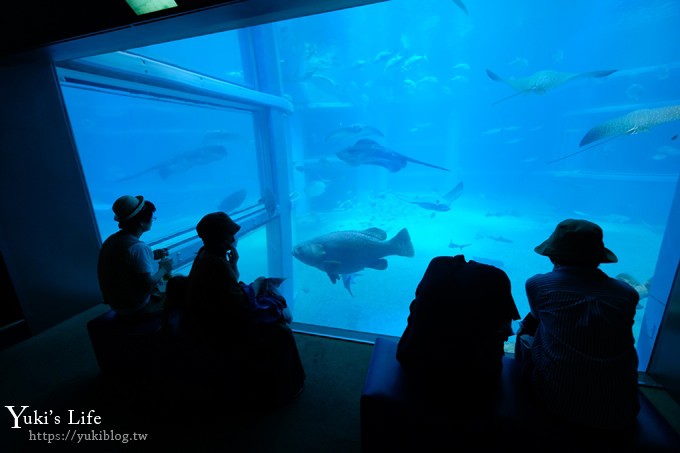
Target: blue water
x: 414, y: 75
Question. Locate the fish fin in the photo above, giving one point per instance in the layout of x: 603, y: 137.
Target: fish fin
x: 379, y: 264
x: 493, y: 76
x: 347, y: 280
x: 376, y: 233
x: 402, y: 243
x: 334, y: 277
x: 454, y: 193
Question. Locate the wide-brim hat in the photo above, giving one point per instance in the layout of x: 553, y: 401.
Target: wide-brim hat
x: 216, y: 226
x: 577, y: 240
x: 126, y: 207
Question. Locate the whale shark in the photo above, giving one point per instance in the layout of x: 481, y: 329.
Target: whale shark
x: 634, y: 122
x: 370, y: 152
x: 543, y: 81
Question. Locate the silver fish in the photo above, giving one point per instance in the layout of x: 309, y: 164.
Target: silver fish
x: 341, y: 253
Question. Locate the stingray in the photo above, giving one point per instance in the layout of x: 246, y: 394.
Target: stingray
x: 632, y: 123
x: 543, y: 81
x: 370, y: 152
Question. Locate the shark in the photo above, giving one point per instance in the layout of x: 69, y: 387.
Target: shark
x: 203, y: 155
x: 353, y: 132
x: 543, y: 81
x: 370, y: 152
x: 634, y: 122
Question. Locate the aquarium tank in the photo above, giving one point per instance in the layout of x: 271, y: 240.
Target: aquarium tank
x: 390, y: 134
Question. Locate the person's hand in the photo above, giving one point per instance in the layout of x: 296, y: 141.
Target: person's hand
x: 165, y: 264
x: 232, y: 255
x: 160, y: 253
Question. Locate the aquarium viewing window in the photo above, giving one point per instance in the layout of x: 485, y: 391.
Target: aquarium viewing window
x: 460, y: 132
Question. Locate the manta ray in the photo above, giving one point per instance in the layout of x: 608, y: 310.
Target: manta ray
x: 632, y: 123
x: 543, y: 81
x: 370, y: 152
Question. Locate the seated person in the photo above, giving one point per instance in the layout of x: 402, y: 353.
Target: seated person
x: 128, y: 275
x: 230, y: 317
x: 576, y: 345
x: 458, y: 324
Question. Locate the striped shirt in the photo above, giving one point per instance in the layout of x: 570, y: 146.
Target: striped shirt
x: 584, y: 358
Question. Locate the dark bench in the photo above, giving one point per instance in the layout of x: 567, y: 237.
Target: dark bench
x: 393, y: 418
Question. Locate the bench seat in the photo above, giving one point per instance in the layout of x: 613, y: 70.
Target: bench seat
x: 394, y: 419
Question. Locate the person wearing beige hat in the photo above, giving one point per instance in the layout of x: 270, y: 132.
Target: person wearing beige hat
x: 127, y: 269
x: 576, y: 345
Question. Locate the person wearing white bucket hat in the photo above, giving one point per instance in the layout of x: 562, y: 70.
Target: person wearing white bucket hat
x: 128, y: 274
x: 576, y: 345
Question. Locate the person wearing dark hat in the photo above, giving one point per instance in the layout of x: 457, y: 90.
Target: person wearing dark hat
x: 218, y: 306
x: 576, y: 345
x: 222, y: 310
x: 126, y: 268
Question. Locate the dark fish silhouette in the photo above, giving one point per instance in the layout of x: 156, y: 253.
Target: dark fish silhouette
x: 370, y: 152
x: 182, y: 162
x: 461, y: 5
x: 441, y: 207
x: 444, y: 206
x: 342, y: 253
x: 232, y: 201
x: 544, y: 81
x: 354, y: 132
x: 501, y: 239
x: 453, y: 245
x: 634, y: 122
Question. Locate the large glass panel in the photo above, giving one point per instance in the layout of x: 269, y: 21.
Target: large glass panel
x: 486, y: 102
x: 458, y: 123
x: 224, y: 63
x: 186, y: 158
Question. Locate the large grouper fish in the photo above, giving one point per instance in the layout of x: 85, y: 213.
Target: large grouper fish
x: 341, y: 254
